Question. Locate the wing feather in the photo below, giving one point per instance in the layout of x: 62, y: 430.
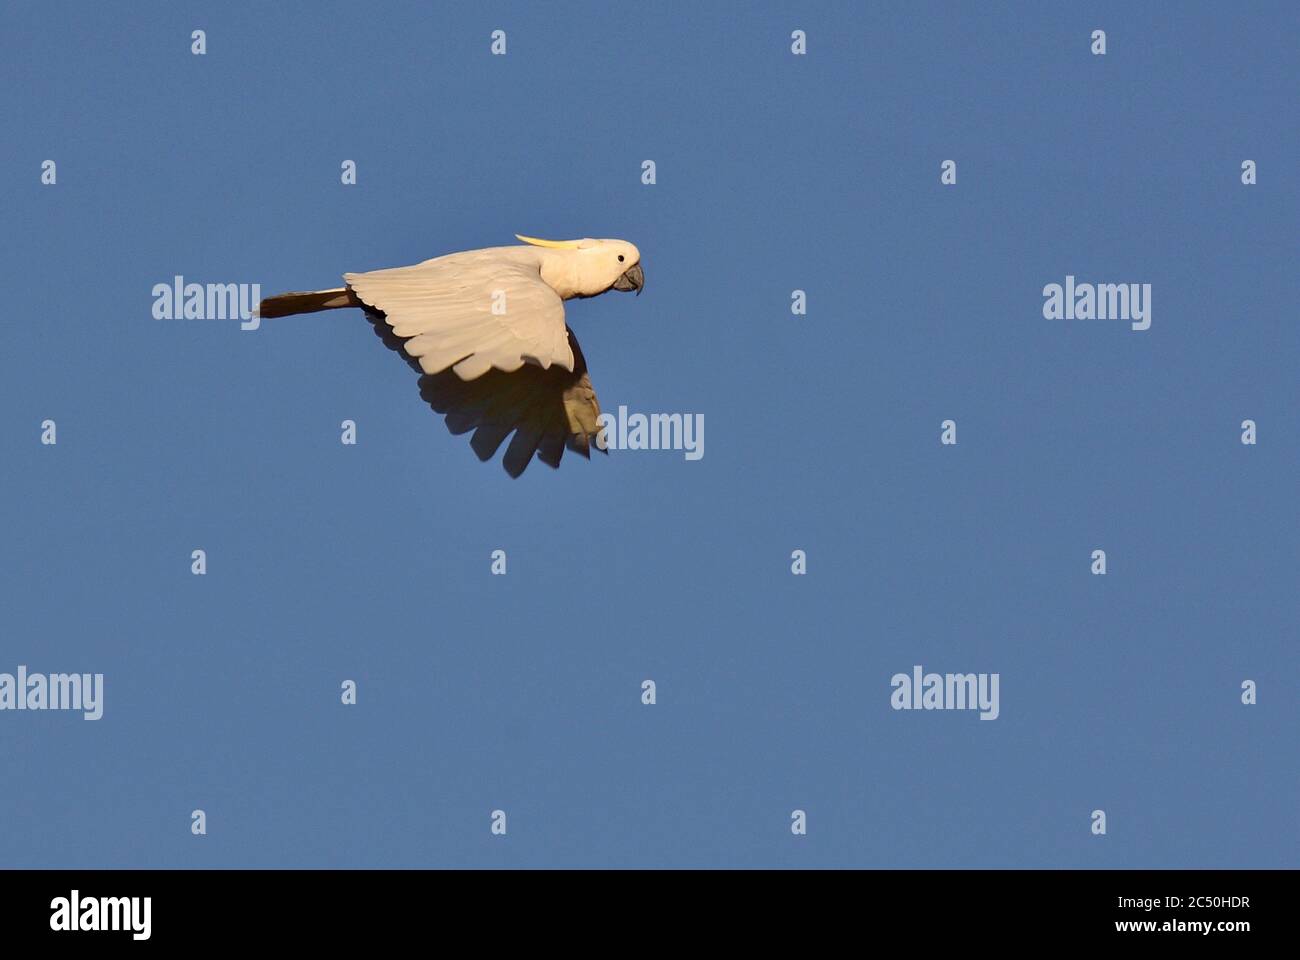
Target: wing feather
x: 548, y: 410
x: 473, y: 312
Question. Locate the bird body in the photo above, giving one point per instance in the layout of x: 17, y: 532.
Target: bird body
x: 493, y: 319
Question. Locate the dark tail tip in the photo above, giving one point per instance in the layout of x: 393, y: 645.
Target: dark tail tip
x: 288, y: 304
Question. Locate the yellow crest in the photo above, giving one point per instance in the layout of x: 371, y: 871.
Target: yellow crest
x: 558, y: 244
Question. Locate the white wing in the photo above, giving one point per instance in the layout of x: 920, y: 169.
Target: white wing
x: 471, y: 311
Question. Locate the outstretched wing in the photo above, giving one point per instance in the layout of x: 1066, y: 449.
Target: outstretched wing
x: 546, y: 409
x: 475, y: 311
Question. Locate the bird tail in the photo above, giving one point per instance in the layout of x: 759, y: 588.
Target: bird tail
x: 287, y: 304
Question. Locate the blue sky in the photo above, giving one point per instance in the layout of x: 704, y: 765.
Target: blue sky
x: 774, y: 172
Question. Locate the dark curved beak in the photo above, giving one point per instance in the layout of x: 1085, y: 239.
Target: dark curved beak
x: 632, y: 279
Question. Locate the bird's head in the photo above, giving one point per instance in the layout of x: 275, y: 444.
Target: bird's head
x: 591, y: 267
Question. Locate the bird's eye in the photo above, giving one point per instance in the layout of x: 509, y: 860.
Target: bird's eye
x: 620, y: 258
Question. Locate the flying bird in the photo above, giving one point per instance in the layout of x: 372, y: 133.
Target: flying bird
x: 486, y: 329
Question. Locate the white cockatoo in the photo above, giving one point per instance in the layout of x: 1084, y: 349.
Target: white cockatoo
x: 486, y: 328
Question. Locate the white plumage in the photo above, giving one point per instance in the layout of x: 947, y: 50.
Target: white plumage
x: 443, y: 308
x: 487, y: 328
